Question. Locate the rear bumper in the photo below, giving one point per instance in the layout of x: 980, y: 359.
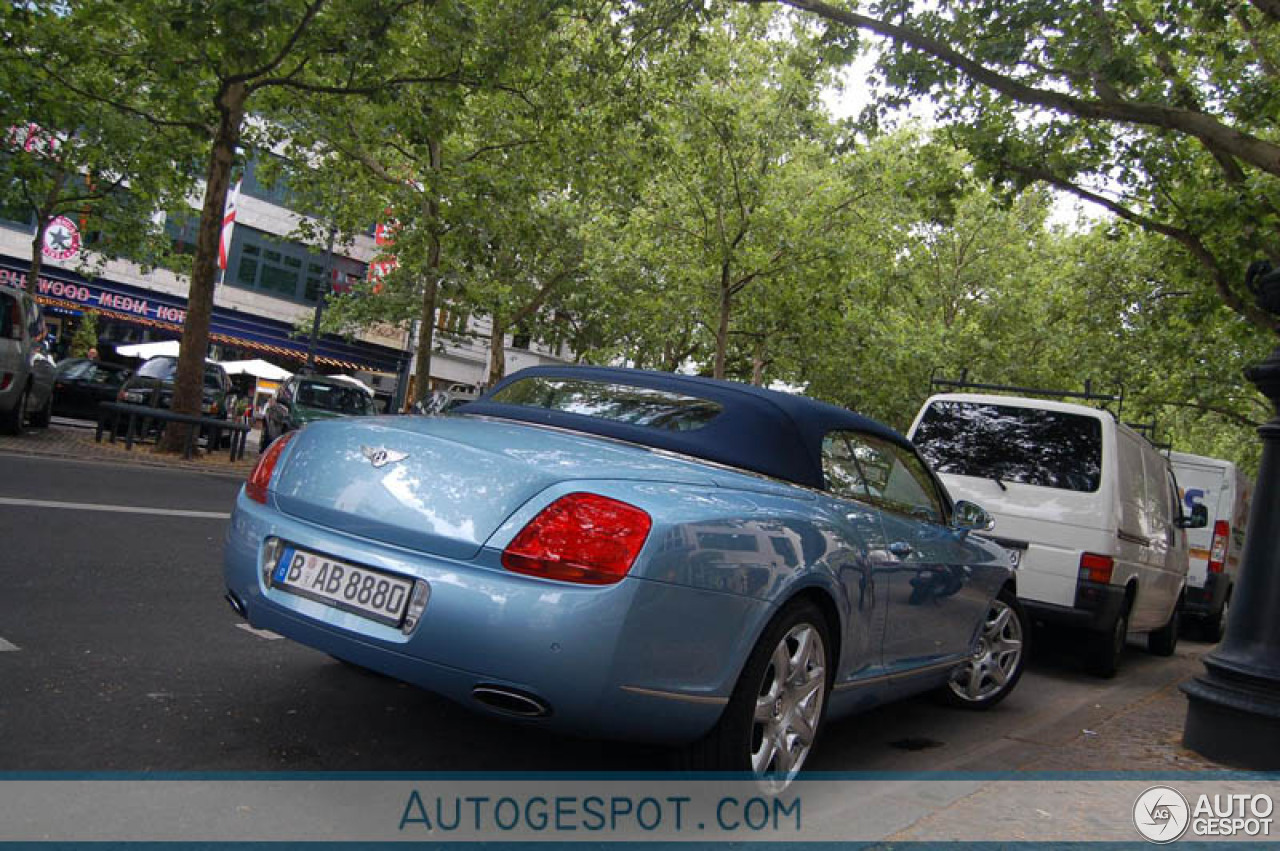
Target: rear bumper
x: 1207, y: 601
x: 1096, y: 608
x: 638, y: 660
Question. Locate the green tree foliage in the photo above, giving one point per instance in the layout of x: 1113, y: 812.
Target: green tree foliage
x: 85, y: 336
x: 62, y: 154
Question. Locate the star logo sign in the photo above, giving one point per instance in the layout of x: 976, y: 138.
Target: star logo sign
x: 1161, y: 814
x: 61, y: 239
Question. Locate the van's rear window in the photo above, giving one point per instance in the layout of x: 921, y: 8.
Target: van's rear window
x: 641, y: 406
x: 1053, y: 449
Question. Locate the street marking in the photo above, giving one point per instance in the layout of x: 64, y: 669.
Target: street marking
x: 117, y: 509
x: 264, y: 634
x: 6, y: 647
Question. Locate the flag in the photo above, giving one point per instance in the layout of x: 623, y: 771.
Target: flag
x: 228, y: 224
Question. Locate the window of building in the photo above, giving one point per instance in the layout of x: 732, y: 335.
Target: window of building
x: 282, y: 269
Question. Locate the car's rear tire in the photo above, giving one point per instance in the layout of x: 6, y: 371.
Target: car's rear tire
x: 996, y: 666
x: 41, y: 418
x: 775, y: 712
x: 1108, y: 647
x: 1164, y: 641
x: 11, y: 421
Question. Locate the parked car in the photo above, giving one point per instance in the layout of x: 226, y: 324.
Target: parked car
x: 80, y: 384
x: 1086, y: 507
x: 152, y: 385
x: 26, y: 367
x: 306, y: 398
x: 628, y: 554
x: 1215, y: 549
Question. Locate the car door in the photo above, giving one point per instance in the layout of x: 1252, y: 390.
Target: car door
x: 858, y: 560
x: 939, y: 582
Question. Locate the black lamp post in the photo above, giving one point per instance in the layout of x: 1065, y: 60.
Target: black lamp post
x: 1233, y: 714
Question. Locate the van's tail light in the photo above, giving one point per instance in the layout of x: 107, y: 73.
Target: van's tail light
x: 1096, y: 568
x: 6, y: 378
x: 1218, y: 550
x: 256, y: 487
x: 583, y: 538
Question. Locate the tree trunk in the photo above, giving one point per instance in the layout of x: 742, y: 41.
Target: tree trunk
x: 497, y: 351
x: 189, y: 382
x: 722, y: 329
x: 37, y: 253
x: 427, y: 319
x: 758, y: 363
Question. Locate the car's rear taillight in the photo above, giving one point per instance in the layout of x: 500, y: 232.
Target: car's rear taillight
x: 1218, y: 549
x: 1096, y: 568
x: 6, y: 378
x: 256, y: 487
x: 583, y: 538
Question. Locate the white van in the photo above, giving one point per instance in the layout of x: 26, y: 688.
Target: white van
x: 1214, y: 550
x: 1086, y: 506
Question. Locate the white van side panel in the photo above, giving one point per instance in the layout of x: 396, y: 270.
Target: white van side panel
x: 1057, y: 525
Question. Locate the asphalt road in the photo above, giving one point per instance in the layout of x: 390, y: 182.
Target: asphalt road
x: 117, y: 652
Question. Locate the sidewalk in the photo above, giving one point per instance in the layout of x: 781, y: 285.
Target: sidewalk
x: 74, y: 439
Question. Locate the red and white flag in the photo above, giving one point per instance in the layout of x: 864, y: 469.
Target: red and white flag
x: 228, y: 224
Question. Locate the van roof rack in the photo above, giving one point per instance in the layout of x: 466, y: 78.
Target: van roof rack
x: 1088, y: 394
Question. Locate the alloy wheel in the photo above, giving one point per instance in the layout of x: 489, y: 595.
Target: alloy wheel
x: 789, y: 704
x: 996, y: 658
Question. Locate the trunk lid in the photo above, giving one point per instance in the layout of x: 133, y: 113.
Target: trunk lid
x: 458, y: 480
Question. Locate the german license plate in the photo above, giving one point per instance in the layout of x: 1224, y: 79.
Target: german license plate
x: 370, y: 593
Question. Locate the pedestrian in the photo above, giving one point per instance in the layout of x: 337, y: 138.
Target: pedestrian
x: 93, y: 353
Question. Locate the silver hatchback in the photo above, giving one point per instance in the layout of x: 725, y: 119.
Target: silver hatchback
x: 26, y: 369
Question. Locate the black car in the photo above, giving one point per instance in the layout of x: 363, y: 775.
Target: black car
x: 79, y: 384
x: 152, y: 385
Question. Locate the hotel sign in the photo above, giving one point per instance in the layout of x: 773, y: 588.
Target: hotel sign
x: 92, y: 297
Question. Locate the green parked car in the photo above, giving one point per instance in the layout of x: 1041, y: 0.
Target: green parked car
x: 305, y: 398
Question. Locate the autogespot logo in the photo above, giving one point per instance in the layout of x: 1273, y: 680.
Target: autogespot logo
x: 1161, y: 814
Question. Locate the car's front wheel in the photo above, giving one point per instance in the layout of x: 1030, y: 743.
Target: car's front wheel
x: 997, y: 662
x: 772, y: 719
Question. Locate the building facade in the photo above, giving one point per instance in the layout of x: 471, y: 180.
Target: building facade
x: 263, y: 306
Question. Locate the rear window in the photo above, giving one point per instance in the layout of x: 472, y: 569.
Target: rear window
x: 1053, y: 449
x: 624, y: 403
x: 329, y: 397
x: 164, y: 369
x: 161, y: 368
x: 10, y: 318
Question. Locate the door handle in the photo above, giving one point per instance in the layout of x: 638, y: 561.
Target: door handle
x: 901, y: 549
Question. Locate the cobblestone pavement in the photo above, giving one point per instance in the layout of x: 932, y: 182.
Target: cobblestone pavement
x: 75, y: 439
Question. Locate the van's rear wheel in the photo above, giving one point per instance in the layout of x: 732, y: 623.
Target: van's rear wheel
x: 1214, y: 627
x: 1163, y: 641
x: 1108, y: 647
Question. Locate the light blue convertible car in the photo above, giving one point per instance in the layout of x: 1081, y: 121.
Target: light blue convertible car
x: 630, y: 554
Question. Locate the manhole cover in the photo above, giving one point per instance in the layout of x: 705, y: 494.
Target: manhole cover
x: 916, y: 744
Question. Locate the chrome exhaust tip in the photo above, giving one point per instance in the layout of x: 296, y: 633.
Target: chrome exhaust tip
x: 510, y: 701
x: 236, y: 606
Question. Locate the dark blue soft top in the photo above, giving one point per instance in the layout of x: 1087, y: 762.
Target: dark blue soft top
x: 777, y: 434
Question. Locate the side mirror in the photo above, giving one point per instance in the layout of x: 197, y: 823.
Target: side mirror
x: 969, y: 517
x: 1198, y: 520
